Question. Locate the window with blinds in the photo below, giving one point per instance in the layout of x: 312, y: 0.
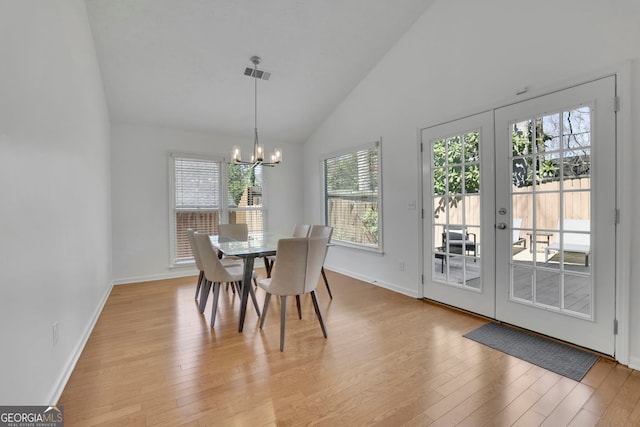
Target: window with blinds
x: 207, y: 192
x: 353, y: 197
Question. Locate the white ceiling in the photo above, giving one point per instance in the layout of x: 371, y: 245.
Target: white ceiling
x: 180, y: 63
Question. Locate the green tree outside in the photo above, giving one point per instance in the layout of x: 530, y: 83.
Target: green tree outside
x: 240, y: 177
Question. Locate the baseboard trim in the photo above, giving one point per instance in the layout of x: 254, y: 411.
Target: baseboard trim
x: 634, y: 363
x: 152, y: 277
x: 60, y: 384
x: 386, y: 285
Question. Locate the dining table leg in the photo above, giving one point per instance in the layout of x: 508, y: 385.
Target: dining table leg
x: 246, y: 285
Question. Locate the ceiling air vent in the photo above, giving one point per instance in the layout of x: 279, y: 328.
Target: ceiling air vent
x: 259, y: 74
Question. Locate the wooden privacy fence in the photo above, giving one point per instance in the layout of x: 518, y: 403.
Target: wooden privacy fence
x: 349, y: 220
x: 249, y: 212
x: 576, y: 198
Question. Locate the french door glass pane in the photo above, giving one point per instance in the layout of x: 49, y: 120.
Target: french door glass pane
x: 456, y: 210
x: 548, y: 288
x: 551, y: 205
x: 521, y: 281
x: 577, y: 290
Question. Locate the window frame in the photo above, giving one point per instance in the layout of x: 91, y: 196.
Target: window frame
x: 223, y: 209
x: 379, y: 199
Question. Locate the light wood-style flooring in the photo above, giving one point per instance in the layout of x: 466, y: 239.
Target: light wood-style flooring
x: 389, y: 360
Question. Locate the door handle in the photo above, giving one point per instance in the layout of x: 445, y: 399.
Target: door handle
x: 501, y: 226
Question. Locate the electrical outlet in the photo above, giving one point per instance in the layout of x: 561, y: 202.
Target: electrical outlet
x: 55, y: 333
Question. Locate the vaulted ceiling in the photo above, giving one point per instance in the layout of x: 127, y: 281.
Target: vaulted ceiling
x: 180, y: 63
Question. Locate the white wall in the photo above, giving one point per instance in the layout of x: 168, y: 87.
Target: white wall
x: 140, y: 204
x: 55, y: 237
x: 461, y: 57
x: 632, y: 215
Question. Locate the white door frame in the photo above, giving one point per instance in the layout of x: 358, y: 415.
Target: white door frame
x: 623, y: 73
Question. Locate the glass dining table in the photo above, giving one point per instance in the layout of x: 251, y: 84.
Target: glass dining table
x: 257, y: 245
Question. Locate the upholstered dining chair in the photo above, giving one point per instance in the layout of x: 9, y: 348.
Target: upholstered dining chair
x: 227, y: 262
x: 299, y: 262
x: 234, y: 232
x: 216, y: 274
x: 299, y: 230
x: 196, y: 257
x: 323, y: 231
x: 227, y: 232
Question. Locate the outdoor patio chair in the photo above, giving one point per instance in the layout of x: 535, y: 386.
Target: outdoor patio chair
x: 457, y: 240
x: 517, y: 223
x: 572, y: 242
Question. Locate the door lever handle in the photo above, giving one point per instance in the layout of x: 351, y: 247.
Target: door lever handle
x: 501, y: 226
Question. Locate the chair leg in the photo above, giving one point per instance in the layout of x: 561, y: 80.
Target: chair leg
x: 267, y: 297
x: 255, y: 300
x: 326, y: 282
x: 204, y: 295
x: 314, y: 298
x: 299, y: 307
x: 233, y: 287
x: 214, y: 307
x: 268, y: 265
x: 200, y: 277
x: 283, y: 318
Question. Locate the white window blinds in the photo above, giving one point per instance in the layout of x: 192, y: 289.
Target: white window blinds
x: 353, y: 196
x: 207, y: 192
x: 197, y: 193
x: 197, y: 184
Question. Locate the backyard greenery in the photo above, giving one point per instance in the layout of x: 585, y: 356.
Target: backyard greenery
x: 241, y: 177
x: 352, y: 179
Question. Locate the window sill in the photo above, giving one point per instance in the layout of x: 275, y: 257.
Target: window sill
x: 379, y: 251
x: 182, y: 265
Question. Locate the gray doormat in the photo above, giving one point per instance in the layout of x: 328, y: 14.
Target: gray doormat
x: 553, y: 356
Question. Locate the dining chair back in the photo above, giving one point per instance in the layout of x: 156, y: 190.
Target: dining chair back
x: 299, y: 230
x: 299, y: 264
x: 323, y: 231
x: 216, y: 273
x: 196, y: 257
x: 289, y: 277
x: 231, y: 232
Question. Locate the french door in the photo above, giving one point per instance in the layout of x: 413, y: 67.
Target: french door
x: 520, y: 226
x: 555, y: 214
x: 458, y: 200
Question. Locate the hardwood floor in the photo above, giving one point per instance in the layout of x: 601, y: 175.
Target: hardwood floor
x: 389, y: 360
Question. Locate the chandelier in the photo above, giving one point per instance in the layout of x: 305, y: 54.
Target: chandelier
x: 257, y: 158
